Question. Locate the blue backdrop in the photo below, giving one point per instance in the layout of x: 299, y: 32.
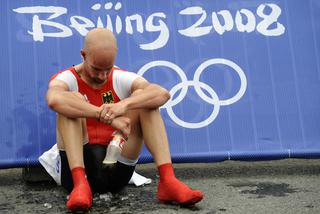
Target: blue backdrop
x: 244, y: 75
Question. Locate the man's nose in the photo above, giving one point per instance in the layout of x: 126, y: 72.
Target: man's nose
x: 102, y: 75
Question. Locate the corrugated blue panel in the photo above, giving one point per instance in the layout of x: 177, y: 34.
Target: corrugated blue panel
x: 244, y: 75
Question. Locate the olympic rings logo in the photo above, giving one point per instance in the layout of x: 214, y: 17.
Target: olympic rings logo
x: 198, y: 86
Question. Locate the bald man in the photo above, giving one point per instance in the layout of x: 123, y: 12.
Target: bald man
x: 92, y: 100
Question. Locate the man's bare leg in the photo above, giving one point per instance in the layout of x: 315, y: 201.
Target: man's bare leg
x: 170, y: 189
x: 72, y: 132
x: 147, y: 125
x: 72, y: 139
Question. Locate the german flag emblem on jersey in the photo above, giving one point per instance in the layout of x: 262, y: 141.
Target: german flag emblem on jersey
x: 107, y: 97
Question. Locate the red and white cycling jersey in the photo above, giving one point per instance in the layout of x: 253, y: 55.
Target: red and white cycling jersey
x: 117, y: 87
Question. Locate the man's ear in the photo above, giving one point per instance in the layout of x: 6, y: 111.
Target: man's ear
x: 83, y: 54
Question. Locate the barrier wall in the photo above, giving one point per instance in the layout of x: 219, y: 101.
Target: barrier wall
x: 244, y: 75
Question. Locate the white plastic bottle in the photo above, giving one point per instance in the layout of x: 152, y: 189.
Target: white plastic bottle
x: 114, y: 148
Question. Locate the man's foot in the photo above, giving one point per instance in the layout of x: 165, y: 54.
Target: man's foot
x: 170, y: 189
x: 80, y: 198
x: 176, y: 191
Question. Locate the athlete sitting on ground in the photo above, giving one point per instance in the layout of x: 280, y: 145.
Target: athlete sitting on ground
x: 92, y: 100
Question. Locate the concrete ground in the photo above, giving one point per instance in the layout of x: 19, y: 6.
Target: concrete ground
x: 283, y: 186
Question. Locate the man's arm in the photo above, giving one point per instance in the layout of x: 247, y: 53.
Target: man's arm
x: 69, y: 104
x: 144, y: 95
x: 147, y: 95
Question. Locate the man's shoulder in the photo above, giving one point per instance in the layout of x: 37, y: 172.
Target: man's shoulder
x: 69, y: 70
x: 63, y: 71
x: 116, y: 68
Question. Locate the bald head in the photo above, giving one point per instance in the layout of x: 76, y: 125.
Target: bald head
x: 98, y: 53
x: 100, y: 39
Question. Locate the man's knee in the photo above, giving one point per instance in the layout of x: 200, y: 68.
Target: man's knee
x: 133, y: 116
x: 63, y: 120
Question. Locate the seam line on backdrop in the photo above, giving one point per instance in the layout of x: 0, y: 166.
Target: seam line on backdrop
x: 289, y: 151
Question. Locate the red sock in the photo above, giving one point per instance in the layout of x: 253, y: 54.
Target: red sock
x: 170, y: 189
x: 80, y: 198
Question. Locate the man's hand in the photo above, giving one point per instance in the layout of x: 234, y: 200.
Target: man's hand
x: 111, y: 111
x: 123, y: 124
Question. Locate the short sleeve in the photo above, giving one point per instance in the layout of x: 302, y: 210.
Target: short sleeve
x: 68, y: 77
x: 122, y: 82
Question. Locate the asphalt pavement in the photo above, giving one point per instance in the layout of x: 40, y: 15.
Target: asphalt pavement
x: 230, y: 187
